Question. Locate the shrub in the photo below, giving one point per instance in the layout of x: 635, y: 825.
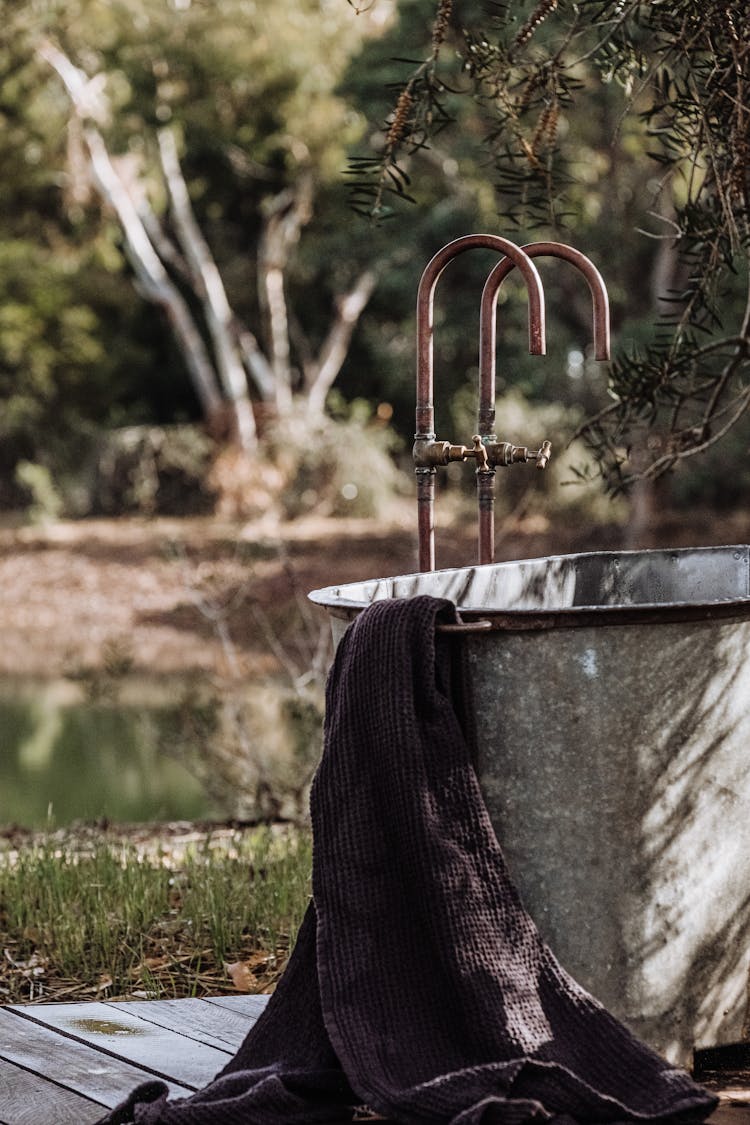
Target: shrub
x: 336, y: 466
x: 154, y: 470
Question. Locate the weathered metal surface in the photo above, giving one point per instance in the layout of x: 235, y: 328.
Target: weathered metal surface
x: 611, y: 697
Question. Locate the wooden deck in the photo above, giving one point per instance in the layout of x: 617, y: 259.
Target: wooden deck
x: 65, y: 1064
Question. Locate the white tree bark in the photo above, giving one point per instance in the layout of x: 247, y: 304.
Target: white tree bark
x: 279, y: 329
x: 285, y: 215
x: 256, y: 365
x: 333, y: 351
x: 219, y: 317
x: 154, y: 281
x: 237, y: 351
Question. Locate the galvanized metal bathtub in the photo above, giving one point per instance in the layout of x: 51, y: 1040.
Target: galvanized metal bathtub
x: 611, y: 693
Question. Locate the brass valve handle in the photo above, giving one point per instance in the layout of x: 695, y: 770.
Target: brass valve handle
x: 542, y: 455
x: 479, y: 453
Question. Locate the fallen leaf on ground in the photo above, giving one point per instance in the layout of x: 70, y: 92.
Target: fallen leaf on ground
x: 241, y: 975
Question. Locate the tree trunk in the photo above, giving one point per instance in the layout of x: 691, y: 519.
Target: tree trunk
x: 333, y: 352
x: 285, y: 215
x: 218, y: 313
x: 155, y: 283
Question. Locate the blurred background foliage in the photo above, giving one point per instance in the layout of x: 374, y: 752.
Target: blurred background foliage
x: 266, y: 103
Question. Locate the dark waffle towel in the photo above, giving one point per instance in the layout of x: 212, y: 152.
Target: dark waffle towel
x: 419, y: 985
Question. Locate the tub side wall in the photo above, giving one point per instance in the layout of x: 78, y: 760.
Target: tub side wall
x: 613, y: 763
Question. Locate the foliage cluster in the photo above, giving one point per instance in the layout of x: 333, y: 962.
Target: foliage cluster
x: 339, y: 464
x: 249, y: 99
x: 621, y: 127
x: 563, y: 97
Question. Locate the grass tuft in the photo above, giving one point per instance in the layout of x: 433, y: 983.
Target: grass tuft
x: 115, y: 919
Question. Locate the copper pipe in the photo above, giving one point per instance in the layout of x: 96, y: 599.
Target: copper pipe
x: 425, y: 413
x: 425, y: 518
x: 486, y: 511
x: 487, y: 343
x: 488, y: 319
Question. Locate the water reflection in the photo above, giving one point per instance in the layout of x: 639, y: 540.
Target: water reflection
x: 154, y: 751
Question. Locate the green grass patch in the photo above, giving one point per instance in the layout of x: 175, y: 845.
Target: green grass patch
x: 114, y: 917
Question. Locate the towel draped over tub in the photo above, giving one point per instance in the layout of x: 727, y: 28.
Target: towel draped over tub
x: 419, y: 985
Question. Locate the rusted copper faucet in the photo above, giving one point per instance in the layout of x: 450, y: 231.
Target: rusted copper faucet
x: 486, y: 451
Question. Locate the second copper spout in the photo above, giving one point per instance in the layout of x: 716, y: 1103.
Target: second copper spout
x: 487, y: 343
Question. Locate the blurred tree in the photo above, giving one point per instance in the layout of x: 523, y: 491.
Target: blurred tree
x: 223, y: 132
x: 236, y: 353
x: 199, y: 144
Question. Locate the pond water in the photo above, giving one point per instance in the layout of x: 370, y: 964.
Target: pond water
x: 153, y: 751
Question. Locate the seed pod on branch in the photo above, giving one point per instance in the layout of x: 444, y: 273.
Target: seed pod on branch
x: 538, y: 16
x: 546, y: 127
x: 440, y: 27
x: 399, y: 127
x: 531, y: 86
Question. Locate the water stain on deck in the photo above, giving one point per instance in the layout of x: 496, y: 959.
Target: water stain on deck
x: 106, y: 1027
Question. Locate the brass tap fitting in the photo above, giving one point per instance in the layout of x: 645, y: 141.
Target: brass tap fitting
x: 479, y: 453
x: 505, y: 453
x: 430, y: 453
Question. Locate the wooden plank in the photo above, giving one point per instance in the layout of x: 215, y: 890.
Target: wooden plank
x: 164, y: 1053
x: 78, y: 1067
x: 28, y: 1099
x: 252, y: 1004
x: 224, y: 1028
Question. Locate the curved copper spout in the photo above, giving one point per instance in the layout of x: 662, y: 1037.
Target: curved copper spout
x: 487, y: 339
x: 425, y: 298
x: 425, y: 414
x: 488, y: 318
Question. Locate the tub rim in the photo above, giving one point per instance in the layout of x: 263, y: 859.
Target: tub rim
x: 479, y: 619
